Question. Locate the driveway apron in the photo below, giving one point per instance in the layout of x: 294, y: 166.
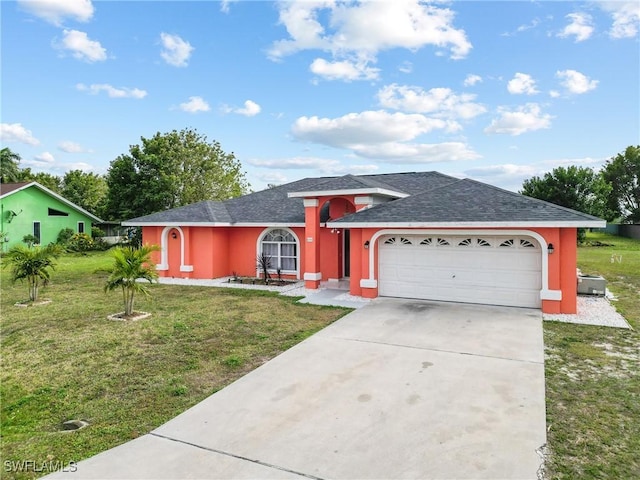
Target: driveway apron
x: 396, y: 389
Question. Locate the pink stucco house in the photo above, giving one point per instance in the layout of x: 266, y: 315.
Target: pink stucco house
x: 416, y: 235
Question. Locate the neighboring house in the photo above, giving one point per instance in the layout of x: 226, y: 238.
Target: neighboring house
x: 28, y: 208
x: 416, y: 235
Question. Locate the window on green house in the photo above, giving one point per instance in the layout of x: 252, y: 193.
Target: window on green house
x: 36, y: 231
x: 57, y: 213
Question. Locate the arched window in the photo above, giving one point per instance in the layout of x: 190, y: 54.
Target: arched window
x: 282, y: 247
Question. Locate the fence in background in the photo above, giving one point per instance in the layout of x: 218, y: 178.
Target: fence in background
x: 622, y: 230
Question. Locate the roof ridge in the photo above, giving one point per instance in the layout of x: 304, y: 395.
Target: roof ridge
x: 382, y: 205
x: 538, y: 200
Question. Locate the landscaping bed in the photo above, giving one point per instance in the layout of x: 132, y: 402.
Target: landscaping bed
x: 273, y: 282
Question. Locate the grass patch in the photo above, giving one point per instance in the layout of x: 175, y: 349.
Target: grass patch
x: 593, y: 375
x: 66, y: 361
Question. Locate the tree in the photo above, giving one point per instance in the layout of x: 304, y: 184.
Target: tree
x: 52, y: 182
x: 171, y: 170
x: 87, y: 190
x: 9, y: 169
x: 131, y: 264
x: 33, y: 264
x: 623, y: 174
x: 578, y: 188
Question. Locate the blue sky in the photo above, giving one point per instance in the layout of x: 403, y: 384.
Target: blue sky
x: 495, y: 91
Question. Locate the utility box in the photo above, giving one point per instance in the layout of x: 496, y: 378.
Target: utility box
x: 592, y: 285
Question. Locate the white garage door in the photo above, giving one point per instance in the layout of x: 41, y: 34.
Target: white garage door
x: 500, y: 270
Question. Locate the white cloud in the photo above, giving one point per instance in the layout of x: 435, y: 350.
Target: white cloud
x: 274, y: 178
x: 16, y: 133
x: 526, y: 118
x: 344, y: 70
x: 250, y: 109
x: 581, y: 27
x: 45, y: 157
x: 522, y: 83
x: 576, y: 82
x: 382, y: 136
x: 499, y: 170
x: 175, y: 50
x: 511, y: 176
x: 625, y: 15
x: 441, y: 102
x: 81, y: 46
x: 416, y: 153
x: 508, y: 176
x: 554, y: 93
x: 324, y: 165
x: 195, y: 105
x: 55, y: 11
x: 406, y: 67
x: 355, y: 129
x: 471, y: 80
x: 70, y: 147
x: 113, y: 92
x: 225, y: 4
x: 361, y: 30
x: 522, y: 28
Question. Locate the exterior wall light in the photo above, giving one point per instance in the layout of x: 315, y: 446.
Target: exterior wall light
x: 550, y: 248
x: 366, y: 244
x: 173, y: 235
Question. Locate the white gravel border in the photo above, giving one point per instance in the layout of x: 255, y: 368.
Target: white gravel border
x: 592, y: 310
x: 296, y: 289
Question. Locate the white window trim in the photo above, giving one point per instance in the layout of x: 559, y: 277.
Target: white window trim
x: 164, y: 251
x: 545, y: 293
x: 298, y: 254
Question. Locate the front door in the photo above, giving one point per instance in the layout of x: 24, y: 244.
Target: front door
x: 345, y: 253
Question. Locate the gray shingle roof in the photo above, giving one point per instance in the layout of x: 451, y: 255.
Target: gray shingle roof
x: 433, y: 198
x: 466, y: 201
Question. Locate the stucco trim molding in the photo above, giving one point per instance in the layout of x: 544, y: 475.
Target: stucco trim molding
x: 164, y: 250
x: 550, y: 294
x: 313, y: 276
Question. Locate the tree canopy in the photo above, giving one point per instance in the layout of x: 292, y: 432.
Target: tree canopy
x: 9, y: 166
x: 578, y: 188
x: 171, y: 170
x: 622, y: 172
x: 87, y: 190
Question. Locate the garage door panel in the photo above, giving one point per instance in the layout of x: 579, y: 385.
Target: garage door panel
x: 466, y: 270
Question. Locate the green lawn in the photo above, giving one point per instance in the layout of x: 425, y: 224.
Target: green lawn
x: 593, y: 376
x: 66, y: 361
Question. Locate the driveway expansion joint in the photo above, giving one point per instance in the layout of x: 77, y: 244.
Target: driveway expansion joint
x: 414, y: 347
x: 233, y: 455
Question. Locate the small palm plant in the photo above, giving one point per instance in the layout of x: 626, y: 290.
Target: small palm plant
x: 33, y: 264
x: 264, y: 264
x: 131, y: 264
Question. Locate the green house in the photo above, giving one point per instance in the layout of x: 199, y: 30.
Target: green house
x: 28, y: 208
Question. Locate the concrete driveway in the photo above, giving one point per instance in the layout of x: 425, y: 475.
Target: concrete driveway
x: 396, y: 389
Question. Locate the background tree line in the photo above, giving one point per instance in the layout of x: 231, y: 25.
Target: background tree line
x: 612, y: 193
x: 178, y: 168
x: 165, y: 171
